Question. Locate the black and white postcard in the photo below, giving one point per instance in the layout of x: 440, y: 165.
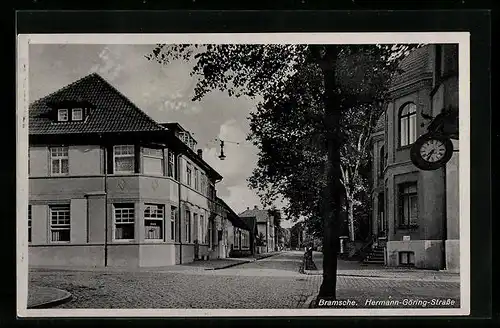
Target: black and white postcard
x: 270, y: 174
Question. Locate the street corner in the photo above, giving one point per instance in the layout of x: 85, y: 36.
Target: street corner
x: 46, y: 297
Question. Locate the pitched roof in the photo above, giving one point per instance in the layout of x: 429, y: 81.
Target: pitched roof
x: 233, y: 217
x: 111, y: 110
x: 416, y: 66
x: 250, y: 222
x: 260, y: 215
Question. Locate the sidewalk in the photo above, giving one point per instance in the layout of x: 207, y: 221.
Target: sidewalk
x: 45, y: 297
x: 215, y: 264
x: 356, y: 269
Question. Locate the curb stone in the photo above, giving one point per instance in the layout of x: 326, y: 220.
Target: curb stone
x: 228, y: 265
x: 51, y: 303
x: 240, y: 263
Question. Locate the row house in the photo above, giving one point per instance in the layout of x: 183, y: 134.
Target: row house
x: 237, y: 236
x: 415, y: 212
x: 265, y: 224
x: 109, y: 186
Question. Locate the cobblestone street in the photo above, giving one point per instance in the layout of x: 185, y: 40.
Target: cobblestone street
x: 272, y: 282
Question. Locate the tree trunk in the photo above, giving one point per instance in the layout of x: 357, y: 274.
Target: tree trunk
x: 333, y: 191
x: 350, y: 217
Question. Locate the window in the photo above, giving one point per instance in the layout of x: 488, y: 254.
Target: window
x: 62, y: 115
x: 196, y: 179
x: 173, y: 223
x: 59, y: 160
x: 187, y: 225
x: 29, y: 223
x: 408, y: 202
x: 153, y: 161
x: 406, y: 258
x: 124, y: 221
x: 154, y: 216
x: 382, y: 161
x: 235, y: 241
x: 188, y: 174
x: 124, y: 159
x: 211, y: 191
x: 60, y: 223
x: 77, y: 114
x: 202, y: 223
x: 210, y: 233
x: 203, y: 183
x: 245, y: 239
x: 407, y: 124
x: 171, y: 164
x: 196, y: 224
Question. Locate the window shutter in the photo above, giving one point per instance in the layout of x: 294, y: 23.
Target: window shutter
x: 137, y: 158
x: 110, y: 161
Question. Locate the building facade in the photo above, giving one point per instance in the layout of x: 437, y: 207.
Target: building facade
x: 109, y: 186
x: 415, y: 212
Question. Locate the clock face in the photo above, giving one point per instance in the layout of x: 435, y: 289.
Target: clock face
x: 433, y: 150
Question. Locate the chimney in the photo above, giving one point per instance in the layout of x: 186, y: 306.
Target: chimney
x: 248, y: 208
x: 255, y: 207
x: 200, y: 153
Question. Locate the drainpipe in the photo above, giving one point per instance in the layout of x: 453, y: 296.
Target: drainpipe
x: 105, y: 207
x: 445, y: 220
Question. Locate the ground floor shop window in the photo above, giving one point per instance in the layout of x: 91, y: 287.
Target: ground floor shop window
x: 124, y: 215
x: 154, y: 216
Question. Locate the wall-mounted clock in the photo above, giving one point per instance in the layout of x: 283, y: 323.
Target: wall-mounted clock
x: 431, y: 151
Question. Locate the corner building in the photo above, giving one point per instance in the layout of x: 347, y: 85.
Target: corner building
x: 416, y: 213
x: 109, y: 186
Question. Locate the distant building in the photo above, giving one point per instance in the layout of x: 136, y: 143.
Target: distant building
x: 235, y: 235
x: 265, y: 225
x: 415, y: 212
x: 110, y: 186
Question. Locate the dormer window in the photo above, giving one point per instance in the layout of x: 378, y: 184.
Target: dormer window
x: 62, y: 115
x: 77, y: 114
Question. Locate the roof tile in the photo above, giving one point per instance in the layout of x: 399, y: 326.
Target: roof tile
x: 112, y: 111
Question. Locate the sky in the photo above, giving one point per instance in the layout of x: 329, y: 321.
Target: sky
x: 164, y: 92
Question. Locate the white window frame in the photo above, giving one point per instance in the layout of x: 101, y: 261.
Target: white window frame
x: 59, y: 154
x: 131, y: 221
x: 147, y: 152
x: 65, y: 210
x: 74, y: 117
x: 62, y: 115
x: 126, y: 155
x: 156, y: 213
